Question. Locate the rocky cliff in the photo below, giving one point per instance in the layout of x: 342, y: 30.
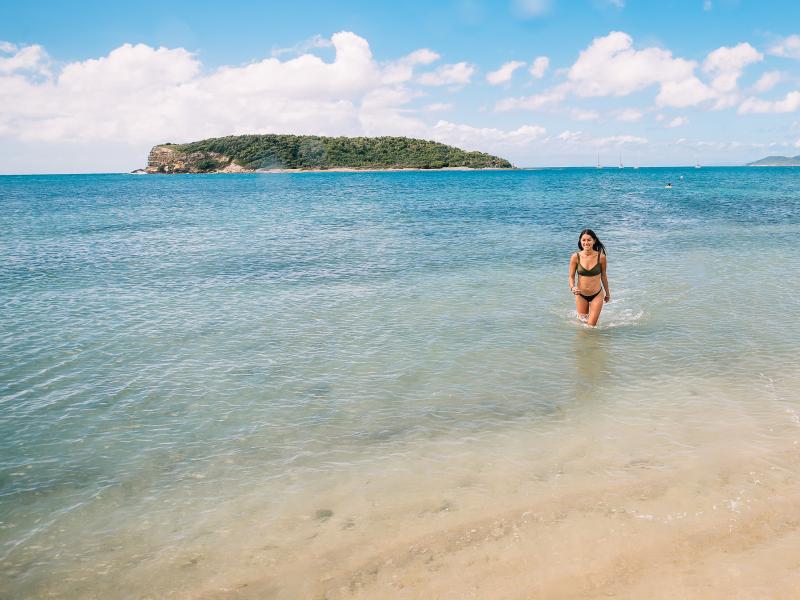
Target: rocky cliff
x: 169, y: 159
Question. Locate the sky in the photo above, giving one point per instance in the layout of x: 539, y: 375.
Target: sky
x: 90, y: 86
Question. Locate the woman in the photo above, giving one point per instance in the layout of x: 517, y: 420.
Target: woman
x: 590, y: 264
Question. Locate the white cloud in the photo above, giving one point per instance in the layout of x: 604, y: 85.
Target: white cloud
x: 539, y: 67
x: 584, y: 140
x: 303, y: 47
x: 630, y: 115
x: 580, y: 114
x: 790, y: 103
x: 504, y: 73
x: 767, y: 81
x: 535, y: 102
x: 727, y: 63
x: 570, y: 136
x: 141, y: 95
x: 473, y: 137
x: 131, y: 68
x: 457, y: 74
x: 527, y: 9
x: 384, y: 97
x: 788, y: 47
x: 677, y: 122
x: 680, y: 94
x: 423, y: 56
x: 726, y: 101
x: 403, y: 69
x: 619, y: 140
x: 28, y: 58
x: 137, y: 96
x: 611, y: 66
x: 438, y: 107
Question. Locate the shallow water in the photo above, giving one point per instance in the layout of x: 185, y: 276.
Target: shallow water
x: 268, y: 383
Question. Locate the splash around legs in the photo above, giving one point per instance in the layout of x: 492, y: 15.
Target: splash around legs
x: 595, y: 308
x: 582, y: 307
x: 589, y: 312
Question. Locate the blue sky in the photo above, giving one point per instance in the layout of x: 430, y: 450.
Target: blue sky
x: 92, y: 86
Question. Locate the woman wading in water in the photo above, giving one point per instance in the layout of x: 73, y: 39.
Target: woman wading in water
x: 590, y: 265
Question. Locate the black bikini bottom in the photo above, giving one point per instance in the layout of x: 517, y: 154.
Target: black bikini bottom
x: 590, y: 298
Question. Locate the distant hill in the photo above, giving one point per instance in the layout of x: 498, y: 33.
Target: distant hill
x: 252, y: 153
x: 777, y: 161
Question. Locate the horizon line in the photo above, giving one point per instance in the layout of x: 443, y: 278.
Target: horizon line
x: 467, y: 170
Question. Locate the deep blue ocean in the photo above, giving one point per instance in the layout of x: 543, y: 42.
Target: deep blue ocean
x: 170, y: 342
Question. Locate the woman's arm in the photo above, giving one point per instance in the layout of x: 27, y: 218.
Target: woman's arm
x: 573, y: 266
x: 604, y: 278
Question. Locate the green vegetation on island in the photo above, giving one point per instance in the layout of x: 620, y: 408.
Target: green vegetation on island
x: 306, y: 152
x: 777, y: 161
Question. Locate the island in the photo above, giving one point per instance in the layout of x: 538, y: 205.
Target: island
x: 777, y: 161
x: 270, y: 153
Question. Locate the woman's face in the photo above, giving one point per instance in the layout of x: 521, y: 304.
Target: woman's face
x: 587, y: 241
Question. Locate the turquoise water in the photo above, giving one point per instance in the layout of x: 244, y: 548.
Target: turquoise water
x: 171, y: 342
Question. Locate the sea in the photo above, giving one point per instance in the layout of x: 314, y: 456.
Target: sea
x: 374, y: 385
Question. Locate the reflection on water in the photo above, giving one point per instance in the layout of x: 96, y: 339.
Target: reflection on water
x: 591, y: 354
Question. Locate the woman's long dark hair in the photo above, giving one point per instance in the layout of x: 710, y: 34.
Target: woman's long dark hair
x: 598, y: 245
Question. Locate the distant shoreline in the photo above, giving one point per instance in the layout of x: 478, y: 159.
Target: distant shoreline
x: 335, y: 170
x: 349, y: 170
x: 776, y: 161
x: 420, y: 170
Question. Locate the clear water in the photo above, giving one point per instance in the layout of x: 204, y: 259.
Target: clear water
x: 171, y: 345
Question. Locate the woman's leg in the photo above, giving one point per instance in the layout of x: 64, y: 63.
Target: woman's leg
x: 595, y: 307
x: 582, y: 306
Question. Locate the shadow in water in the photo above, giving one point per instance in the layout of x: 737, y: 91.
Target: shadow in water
x: 591, y: 352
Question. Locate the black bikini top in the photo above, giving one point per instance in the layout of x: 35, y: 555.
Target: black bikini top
x: 595, y: 270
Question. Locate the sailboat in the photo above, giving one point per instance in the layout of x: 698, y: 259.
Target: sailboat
x: 696, y: 164
x: 598, y: 161
x: 620, y: 161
